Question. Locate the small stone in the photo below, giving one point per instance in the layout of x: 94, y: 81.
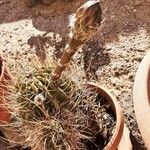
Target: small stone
x: 131, y: 77
x: 116, y: 73
x: 45, y: 2
x: 32, y: 3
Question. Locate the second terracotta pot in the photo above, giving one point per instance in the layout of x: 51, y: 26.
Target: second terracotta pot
x: 141, y: 98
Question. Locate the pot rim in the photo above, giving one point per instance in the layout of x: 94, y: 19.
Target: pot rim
x: 5, y: 76
x: 4, y: 82
x: 141, y: 98
x: 115, y: 139
x: 2, y: 69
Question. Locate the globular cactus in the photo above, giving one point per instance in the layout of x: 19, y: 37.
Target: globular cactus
x: 48, y: 115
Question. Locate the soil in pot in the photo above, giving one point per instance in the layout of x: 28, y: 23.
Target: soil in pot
x: 108, y: 125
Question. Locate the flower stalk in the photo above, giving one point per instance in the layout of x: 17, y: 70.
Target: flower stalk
x: 84, y: 24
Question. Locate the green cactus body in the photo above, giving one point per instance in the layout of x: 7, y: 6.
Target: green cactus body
x: 52, y: 115
x: 37, y: 86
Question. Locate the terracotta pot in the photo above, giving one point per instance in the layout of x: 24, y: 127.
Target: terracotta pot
x: 4, y: 81
x: 141, y: 97
x: 115, y: 140
x: 125, y: 143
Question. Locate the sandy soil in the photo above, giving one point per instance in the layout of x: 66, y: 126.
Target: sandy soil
x: 111, y: 56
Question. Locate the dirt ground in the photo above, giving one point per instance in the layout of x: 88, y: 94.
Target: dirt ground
x: 111, y: 57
